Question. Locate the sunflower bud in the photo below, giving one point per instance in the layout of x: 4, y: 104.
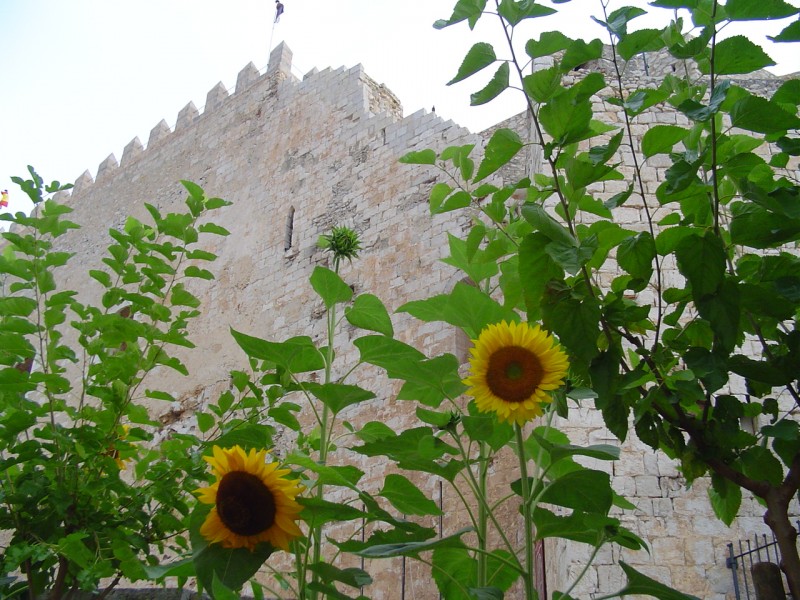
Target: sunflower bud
x: 342, y: 242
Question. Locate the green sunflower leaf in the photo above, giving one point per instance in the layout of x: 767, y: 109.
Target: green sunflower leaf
x: 407, y: 497
x: 330, y: 287
x: 368, y: 312
x: 231, y: 567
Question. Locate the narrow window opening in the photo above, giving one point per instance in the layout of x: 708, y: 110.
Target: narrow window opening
x: 287, y: 239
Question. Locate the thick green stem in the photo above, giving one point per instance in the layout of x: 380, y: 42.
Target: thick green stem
x: 324, y: 434
x: 528, y: 576
x: 483, y: 465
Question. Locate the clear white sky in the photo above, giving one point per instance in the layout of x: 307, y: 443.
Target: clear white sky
x: 82, y: 78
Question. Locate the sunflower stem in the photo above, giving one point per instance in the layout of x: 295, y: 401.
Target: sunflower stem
x: 323, y: 433
x: 528, y: 576
x: 483, y: 466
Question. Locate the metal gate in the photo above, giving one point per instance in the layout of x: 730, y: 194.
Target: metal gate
x: 762, y: 548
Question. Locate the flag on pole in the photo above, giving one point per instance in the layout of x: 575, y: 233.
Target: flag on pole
x: 3, y: 198
x: 278, y: 10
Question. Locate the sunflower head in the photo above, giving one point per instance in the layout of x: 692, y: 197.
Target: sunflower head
x: 513, y: 369
x: 342, y: 242
x: 253, y: 501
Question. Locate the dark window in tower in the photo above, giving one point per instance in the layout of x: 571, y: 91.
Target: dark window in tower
x: 287, y: 238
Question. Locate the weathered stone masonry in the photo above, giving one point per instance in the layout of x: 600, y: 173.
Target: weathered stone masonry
x: 298, y: 156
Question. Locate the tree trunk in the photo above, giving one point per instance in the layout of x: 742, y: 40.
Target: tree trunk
x: 767, y: 581
x: 777, y: 519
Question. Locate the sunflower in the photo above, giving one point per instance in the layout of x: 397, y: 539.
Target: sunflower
x: 513, y: 368
x: 253, y: 501
x: 114, y: 453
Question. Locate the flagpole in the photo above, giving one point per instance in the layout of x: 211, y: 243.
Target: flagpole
x: 271, y: 35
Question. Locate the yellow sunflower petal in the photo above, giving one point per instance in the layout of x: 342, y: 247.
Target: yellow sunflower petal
x: 513, y: 366
x: 253, y: 501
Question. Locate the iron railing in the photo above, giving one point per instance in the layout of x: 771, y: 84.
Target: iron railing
x: 760, y: 549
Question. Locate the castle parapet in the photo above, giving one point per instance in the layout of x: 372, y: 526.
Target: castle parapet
x: 215, y: 98
x: 186, y: 116
x: 108, y: 165
x: 247, y: 76
x: 158, y: 133
x: 132, y: 150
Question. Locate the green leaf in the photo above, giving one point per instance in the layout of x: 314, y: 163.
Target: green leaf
x: 353, y: 576
x: 368, y: 312
x: 761, y: 465
x: 296, y: 355
x: 756, y: 227
x: 406, y: 497
x: 411, y: 548
x: 478, y: 268
x: 496, y: 86
x: 422, y: 157
x: 618, y: 19
x: 178, y: 568
x: 543, y: 84
x: 549, y: 43
x: 566, y: 120
x: 386, y: 352
x: 330, y: 287
x: 540, y: 219
x: 726, y: 498
x: 18, y: 306
x: 536, y: 270
x: 213, y: 228
x: 73, y: 547
x: 338, y: 396
x: 459, y: 199
x: 318, y: 512
x: 231, y: 567
x: 746, y: 10
x: 737, y: 54
x: 575, y: 321
x: 723, y: 311
x: 758, y: 114
x: 480, y: 56
x: 702, y: 260
x: 283, y: 413
x: 515, y: 12
x: 416, y: 449
x: 660, y: 139
x: 101, y: 276
x: 470, y: 10
x: 579, y: 53
x: 790, y: 34
x: 192, y: 271
x: 374, y: 431
x: 561, y: 451
x: 455, y: 572
x: 644, y: 40
x: 499, y: 573
x: 345, y: 476
x: 586, y: 490
x: 182, y: 297
x: 220, y: 591
x: 642, y: 584
x: 501, y: 148
x: 584, y: 528
x: 486, y: 428
x: 572, y: 258
x: 248, y: 436
x: 466, y: 307
x: 205, y: 421
x: 636, y: 254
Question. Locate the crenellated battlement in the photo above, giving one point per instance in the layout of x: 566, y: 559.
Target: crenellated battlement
x: 349, y: 89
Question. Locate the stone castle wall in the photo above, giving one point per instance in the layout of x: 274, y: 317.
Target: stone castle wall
x: 299, y: 156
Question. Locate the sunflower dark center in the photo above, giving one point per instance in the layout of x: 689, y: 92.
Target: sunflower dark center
x: 245, y: 505
x: 514, y: 373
